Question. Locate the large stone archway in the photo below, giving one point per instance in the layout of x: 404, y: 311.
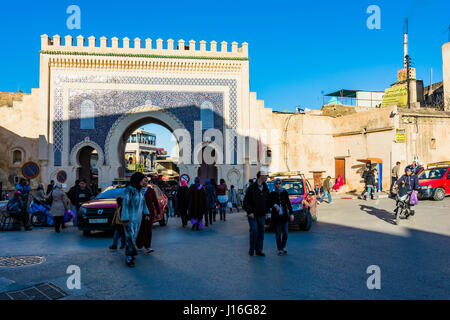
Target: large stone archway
x: 114, y: 144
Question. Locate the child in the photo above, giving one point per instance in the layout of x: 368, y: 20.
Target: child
x: 118, y: 227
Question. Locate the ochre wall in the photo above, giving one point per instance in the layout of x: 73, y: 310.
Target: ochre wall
x: 19, y: 130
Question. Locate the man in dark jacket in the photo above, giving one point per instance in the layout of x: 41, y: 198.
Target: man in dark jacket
x: 50, y: 187
x: 82, y: 194
x: 364, y: 176
x: 212, y: 200
x: 371, y: 185
x: 256, y: 204
x: 281, y: 214
x: 410, y: 181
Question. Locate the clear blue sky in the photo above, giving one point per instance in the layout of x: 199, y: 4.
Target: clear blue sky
x: 297, y: 48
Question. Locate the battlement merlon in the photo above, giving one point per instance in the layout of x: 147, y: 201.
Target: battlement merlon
x: 78, y: 46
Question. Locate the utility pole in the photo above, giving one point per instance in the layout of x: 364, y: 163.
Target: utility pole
x: 406, y: 61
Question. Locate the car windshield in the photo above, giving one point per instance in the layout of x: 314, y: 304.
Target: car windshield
x: 293, y: 187
x: 435, y: 173
x: 111, y: 193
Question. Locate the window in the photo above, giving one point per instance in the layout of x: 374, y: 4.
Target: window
x: 87, y: 115
x: 17, y: 157
x: 207, y: 115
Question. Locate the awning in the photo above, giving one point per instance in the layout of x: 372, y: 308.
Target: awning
x: 376, y: 160
x: 343, y: 93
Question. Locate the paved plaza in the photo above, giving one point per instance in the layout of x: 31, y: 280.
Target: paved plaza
x: 328, y: 262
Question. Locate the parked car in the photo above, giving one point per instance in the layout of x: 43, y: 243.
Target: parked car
x: 435, y: 181
x: 297, y: 191
x: 97, y: 214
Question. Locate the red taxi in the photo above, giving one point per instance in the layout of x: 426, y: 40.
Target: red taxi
x: 97, y: 214
x: 435, y: 181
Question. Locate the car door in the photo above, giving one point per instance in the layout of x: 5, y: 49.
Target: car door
x: 447, y: 181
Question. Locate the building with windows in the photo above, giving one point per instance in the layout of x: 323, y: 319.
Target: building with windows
x: 141, y: 149
x: 94, y: 94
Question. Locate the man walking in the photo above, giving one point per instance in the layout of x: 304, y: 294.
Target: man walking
x: 365, y: 174
x: 326, y: 190
x: 257, y: 205
x: 212, y: 200
x: 394, y: 177
x: 281, y: 214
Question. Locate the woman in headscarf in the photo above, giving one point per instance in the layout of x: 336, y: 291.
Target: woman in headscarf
x: 197, y: 204
x: 339, y: 183
x: 60, y: 205
x: 281, y: 213
x: 133, y: 207
x: 144, y: 238
x: 181, y: 202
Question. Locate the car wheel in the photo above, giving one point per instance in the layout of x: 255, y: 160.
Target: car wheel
x: 86, y: 233
x: 439, y: 194
x: 165, y: 218
x: 305, y: 225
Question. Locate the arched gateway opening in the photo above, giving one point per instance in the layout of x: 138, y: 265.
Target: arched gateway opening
x: 123, y: 129
x: 88, y: 159
x: 143, y: 149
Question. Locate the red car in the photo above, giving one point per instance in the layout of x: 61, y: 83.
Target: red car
x: 435, y: 181
x: 97, y: 214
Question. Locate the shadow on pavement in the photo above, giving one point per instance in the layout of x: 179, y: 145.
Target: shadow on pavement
x: 382, y: 214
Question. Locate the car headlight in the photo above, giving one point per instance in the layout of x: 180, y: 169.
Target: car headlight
x: 296, y: 207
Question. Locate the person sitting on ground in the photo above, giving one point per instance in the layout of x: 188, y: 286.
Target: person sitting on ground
x: 15, y: 208
x: 339, y: 183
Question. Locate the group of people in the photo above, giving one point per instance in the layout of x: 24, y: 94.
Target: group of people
x: 60, y: 202
x: 259, y: 202
x: 199, y: 202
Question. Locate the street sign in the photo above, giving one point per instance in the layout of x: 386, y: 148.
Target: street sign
x: 61, y: 176
x: 400, y: 135
x: 30, y: 170
x: 185, y: 177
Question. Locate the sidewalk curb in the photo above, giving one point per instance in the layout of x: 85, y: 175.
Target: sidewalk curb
x: 351, y: 197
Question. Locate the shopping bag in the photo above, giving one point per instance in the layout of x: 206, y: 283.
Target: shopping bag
x: 229, y: 204
x: 413, y: 199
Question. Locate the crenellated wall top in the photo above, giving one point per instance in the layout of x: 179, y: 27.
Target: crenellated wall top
x: 146, y: 48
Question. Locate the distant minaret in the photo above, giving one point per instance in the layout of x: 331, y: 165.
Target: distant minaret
x: 405, y: 43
